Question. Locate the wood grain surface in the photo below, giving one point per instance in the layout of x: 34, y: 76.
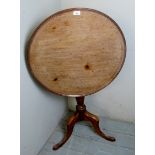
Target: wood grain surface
x: 76, y: 55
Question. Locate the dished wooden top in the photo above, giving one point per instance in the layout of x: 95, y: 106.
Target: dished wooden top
x: 76, y: 55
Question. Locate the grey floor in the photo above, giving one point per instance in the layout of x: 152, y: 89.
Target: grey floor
x: 84, y: 141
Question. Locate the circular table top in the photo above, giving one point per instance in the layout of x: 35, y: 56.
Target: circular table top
x: 76, y: 52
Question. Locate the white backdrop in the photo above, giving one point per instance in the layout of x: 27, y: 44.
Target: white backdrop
x: 40, y: 110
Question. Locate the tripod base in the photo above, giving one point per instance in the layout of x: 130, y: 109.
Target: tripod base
x: 82, y: 114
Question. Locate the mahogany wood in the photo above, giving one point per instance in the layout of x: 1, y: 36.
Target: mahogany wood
x: 76, y: 55
x: 82, y: 114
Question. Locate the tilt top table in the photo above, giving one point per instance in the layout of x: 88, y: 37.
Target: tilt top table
x: 77, y: 52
